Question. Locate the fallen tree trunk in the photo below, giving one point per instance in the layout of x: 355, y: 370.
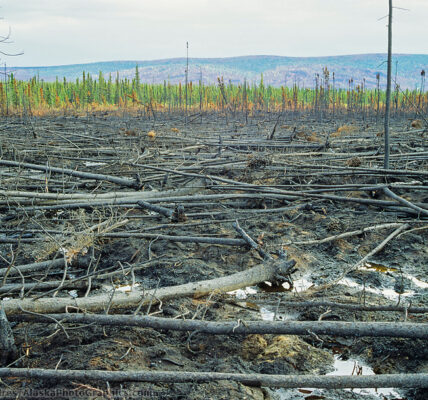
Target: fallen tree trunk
x: 349, y: 234
x: 183, y: 239
x: 288, y: 381
x: 59, y: 262
x: 64, y: 171
x: 407, y: 203
x: 263, y: 272
x: 33, y: 196
x: 354, y: 306
x: 16, y: 287
x: 160, y: 198
x: 337, y: 328
x: 166, y: 212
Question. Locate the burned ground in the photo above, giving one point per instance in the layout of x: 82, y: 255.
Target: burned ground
x: 313, y: 180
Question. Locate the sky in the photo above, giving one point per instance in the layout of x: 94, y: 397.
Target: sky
x: 58, y: 32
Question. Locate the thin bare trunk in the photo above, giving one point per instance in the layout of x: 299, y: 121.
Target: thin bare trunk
x: 388, y: 88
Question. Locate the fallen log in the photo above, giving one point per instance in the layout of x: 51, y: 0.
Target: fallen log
x: 59, y: 262
x: 349, y: 234
x: 64, y: 171
x: 132, y: 200
x: 401, y: 200
x: 250, y: 241
x: 357, y: 307
x: 336, y: 328
x: 263, y: 272
x: 16, y: 287
x: 12, y: 194
x: 176, y: 215
x: 166, y: 212
x: 182, y: 239
x: 288, y: 381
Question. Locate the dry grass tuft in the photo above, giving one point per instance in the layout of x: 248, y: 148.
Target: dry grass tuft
x: 77, y: 242
x: 128, y: 132
x: 417, y: 124
x: 354, y: 162
x: 310, y: 137
x: 253, y: 346
x: 344, y: 129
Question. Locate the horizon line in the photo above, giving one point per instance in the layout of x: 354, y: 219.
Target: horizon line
x: 211, y: 58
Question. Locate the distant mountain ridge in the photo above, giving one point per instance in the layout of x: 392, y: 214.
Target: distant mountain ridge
x: 276, y: 70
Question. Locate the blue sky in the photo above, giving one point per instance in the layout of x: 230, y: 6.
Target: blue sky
x: 54, y: 32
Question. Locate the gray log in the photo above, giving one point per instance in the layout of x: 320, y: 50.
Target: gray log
x: 288, y: 381
x: 86, y: 175
x: 59, y: 262
x: 356, y: 307
x: 153, y: 207
x: 183, y: 239
x: 262, y: 272
x: 336, y: 328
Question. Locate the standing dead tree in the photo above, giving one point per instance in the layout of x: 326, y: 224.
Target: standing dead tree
x: 388, y: 88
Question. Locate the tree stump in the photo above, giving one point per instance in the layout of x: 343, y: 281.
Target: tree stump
x: 8, y: 350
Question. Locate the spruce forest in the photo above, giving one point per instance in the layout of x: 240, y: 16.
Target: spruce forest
x: 113, y: 94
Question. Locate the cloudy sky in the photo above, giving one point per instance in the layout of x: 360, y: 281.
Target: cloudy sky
x: 54, y: 32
